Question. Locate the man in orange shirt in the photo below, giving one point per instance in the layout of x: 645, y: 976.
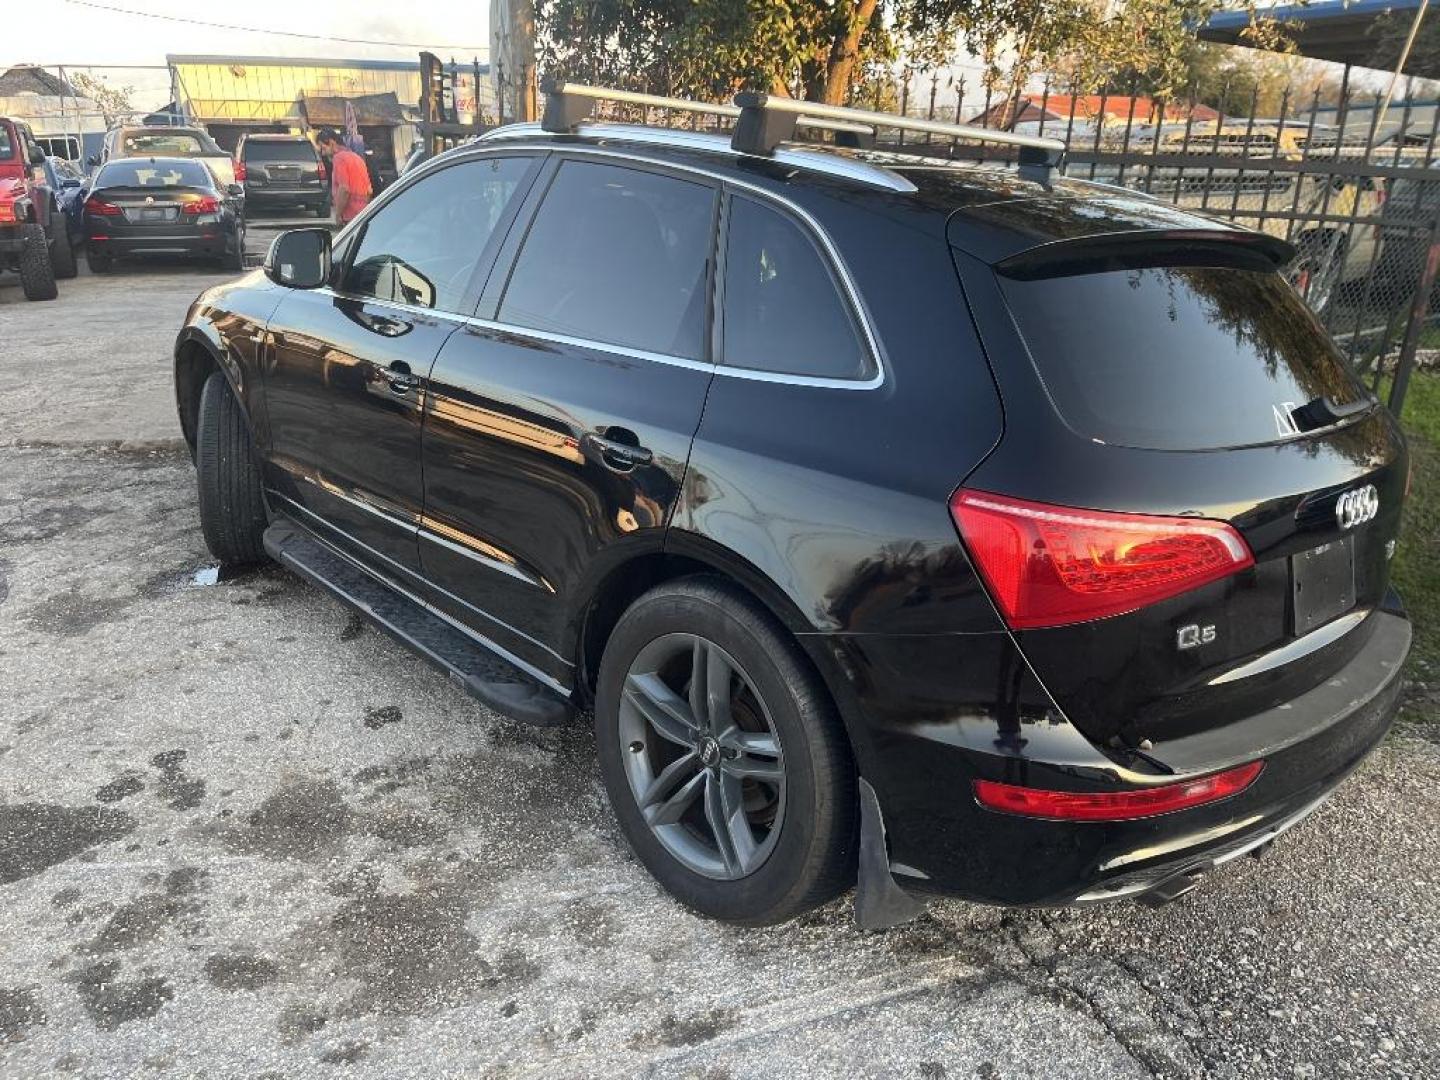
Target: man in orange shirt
x: 349, y: 180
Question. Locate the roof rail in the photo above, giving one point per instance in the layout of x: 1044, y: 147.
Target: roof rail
x: 567, y: 105
x: 766, y: 121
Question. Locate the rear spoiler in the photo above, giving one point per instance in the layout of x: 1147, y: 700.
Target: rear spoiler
x: 1148, y: 247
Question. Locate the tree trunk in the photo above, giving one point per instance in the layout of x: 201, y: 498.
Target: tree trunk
x: 845, y: 52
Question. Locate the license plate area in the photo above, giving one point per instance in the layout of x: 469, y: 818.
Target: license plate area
x: 1322, y: 583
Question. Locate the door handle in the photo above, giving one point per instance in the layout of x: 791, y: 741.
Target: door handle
x: 400, y: 379
x: 622, y: 455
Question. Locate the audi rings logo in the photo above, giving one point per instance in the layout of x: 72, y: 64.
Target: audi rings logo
x: 1357, y: 507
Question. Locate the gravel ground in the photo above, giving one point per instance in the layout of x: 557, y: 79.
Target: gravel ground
x: 242, y: 835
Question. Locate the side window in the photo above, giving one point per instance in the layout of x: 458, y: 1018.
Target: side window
x: 422, y: 247
x: 618, y: 256
x: 783, y: 308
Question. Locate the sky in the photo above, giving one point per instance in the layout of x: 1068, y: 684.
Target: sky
x: 86, y: 34
x: 90, y: 37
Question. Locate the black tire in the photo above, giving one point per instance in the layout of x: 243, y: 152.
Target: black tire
x: 98, y: 264
x: 235, y: 260
x: 812, y: 846
x: 62, y: 255
x: 37, y: 275
x: 232, y: 510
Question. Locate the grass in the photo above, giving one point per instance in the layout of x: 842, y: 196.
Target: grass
x: 1416, y: 572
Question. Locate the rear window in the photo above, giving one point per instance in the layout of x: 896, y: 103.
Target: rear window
x: 279, y: 151
x: 140, y: 173
x: 143, y: 143
x: 1177, y: 357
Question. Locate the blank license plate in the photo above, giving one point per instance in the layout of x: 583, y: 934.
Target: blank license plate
x: 154, y: 215
x: 1323, y: 581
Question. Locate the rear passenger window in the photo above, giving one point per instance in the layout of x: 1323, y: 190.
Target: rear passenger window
x: 619, y: 256
x: 783, y: 309
x: 421, y: 248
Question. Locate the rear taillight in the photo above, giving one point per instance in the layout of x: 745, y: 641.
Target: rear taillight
x: 7, y: 211
x: 321, y: 167
x: 240, y: 171
x: 1053, y: 565
x: 1114, y: 805
x: 201, y: 204
x: 96, y: 205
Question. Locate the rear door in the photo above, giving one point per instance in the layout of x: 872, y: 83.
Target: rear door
x: 348, y: 372
x: 559, y: 424
x: 1193, y: 385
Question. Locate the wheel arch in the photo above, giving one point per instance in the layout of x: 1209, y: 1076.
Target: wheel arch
x: 198, y: 355
x: 688, y: 555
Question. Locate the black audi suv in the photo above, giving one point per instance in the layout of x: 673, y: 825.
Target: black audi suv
x: 941, y: 527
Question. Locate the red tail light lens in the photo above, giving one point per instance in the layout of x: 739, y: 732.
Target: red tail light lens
x: 240, y: 171
x: 1114, y: 805
x: 97, y: 205
x: 321, y: 167
x: 1052, y: 565
x: 201, y: 204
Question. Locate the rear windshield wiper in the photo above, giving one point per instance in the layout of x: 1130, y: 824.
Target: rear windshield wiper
x: 1324, y: 411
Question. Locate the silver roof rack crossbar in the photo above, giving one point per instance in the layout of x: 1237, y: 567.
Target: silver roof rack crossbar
x: 766, y: 121
x: 567, y: 105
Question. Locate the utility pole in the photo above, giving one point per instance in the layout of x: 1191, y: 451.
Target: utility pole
x: 512, y: 59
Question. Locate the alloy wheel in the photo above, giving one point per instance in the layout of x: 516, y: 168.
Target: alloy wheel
x: 702, y: 756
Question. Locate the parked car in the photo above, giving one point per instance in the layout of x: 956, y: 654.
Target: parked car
x: 32, y: 229
x: 648, y: 423
x: 161, y: 206
x: 68, y: 183
x: 284, y: 170
x: 170, y: 142
x: 1330, y: 255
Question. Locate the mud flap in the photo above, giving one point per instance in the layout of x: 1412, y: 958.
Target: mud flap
x: 879, y: 902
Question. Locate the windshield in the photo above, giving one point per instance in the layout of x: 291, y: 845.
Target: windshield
x: 1178, y: 358
x: 142, y: 173
x: 144, y: 143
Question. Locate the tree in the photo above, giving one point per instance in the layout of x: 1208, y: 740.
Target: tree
x: 114, y: 101
x: 822, y: 50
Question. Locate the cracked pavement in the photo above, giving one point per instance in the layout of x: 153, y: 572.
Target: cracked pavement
x: 243, y: 835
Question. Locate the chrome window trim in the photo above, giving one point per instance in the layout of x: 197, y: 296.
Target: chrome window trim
x: 395, y: 305
x: 814, y: 160
x: 818, y: 233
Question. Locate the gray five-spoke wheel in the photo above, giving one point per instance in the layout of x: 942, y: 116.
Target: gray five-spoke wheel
x: 702, y: 756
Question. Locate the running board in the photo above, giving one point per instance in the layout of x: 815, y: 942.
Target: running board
x: 480, y: 672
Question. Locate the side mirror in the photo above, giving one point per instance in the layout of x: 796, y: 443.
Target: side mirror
x: 37, y: 155
x: 234, y: 190
x: 300, y: 259
x: 93, y: 160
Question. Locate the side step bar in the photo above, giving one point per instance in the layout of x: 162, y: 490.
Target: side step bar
x: 481, y: 673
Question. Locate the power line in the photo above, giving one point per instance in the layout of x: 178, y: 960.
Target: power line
x: 277, y: 33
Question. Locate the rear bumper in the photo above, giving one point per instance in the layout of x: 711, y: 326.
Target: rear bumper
x: 941, y: 841
x: 207, y: 238
x: 312, y: 194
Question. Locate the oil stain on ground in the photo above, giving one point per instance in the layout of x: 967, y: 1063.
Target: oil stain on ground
x: 122, y: 787
x: 177, y: 790
x: 240, y: 971
x: 140, y: 920
x: 111, y: 1001
x: 37, y: 836
x: 385, y: 714
x: 20, y: 1010
x: 298, y: 821
x: 410, y: 952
